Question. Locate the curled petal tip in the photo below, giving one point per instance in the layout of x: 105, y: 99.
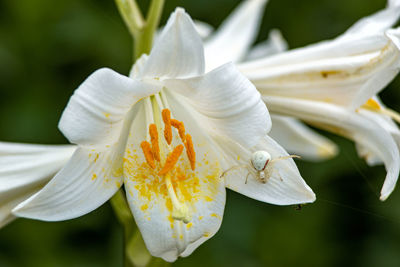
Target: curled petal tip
x: 328, y: 151
x: 311, y: 196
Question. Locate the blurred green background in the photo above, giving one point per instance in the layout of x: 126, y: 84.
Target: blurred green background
x: 47, y: 48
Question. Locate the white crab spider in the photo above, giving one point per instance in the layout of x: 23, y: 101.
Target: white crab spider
x: 260, y: 166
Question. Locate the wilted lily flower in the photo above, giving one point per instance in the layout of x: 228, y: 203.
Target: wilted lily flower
x: 167, y: 132
x: 331, y: 85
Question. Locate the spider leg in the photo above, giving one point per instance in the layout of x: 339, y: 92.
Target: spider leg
x: 272, y: 170
x: 284, y: 157
x: 232, y: 169
x: 247, y: 177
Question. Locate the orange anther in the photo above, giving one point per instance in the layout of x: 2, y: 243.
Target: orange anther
x: 190, y: 152
x: 166, y: 115
x: 148, y: 154
x: 171, y: 160
x: 154, y: 141
x: 181, y: 128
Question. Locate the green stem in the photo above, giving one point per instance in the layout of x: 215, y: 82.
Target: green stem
x: 144, y: 39
x: 131, y: 15
x: 141, y: 30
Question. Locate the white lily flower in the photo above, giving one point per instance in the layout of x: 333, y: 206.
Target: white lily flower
x: 351, y: 80
x: 24, y: 170
x: 167, y: 133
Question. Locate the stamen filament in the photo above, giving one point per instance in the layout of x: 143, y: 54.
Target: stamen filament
x: 391, y: 113
x: 148, y: 154
x: 171, y: 160
x: 164, y: 100
x: 190, y: 152
x: 154, y: 141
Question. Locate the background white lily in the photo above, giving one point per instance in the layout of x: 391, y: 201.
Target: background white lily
x: 24, y: 170
x: 122, y: 126
x: 335, y: 77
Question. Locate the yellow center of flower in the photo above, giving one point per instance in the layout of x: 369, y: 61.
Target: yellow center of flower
x: 170, y: 171
x: 166, y: 168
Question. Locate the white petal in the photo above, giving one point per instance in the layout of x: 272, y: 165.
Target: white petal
x: 230, y: 104
x: 178, y: 51
x: 300, y: 140
x: 236, y: 34
x: 88, y: 180
x: 201, y: 190
x: 24, y: 169
x: 95, y: 113
x: 6, y: 215
x: 386, y: 123
x: 285, y: 186
x: 378, y: 22
x: 275, y: 44
x: 203, y: 29
x: 168, y: 238
x: 349, y: 124
x: 345, y: 72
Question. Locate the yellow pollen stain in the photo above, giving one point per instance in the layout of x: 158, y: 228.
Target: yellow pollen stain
x: 118, y: 172
x: 144, y: 207
x: 189, y: 225
x: 206, y: 234
x: 94, y: 176
x: 238, y: 157
x: 171, y: 221
x: 326, y: 74
x: 107, y: 115
x: 371, y: 104
x: 118, y: 184
x: 201, y: 218
x: 208, y: 199
x: 180, y: 237
x: 96, y: 158
x: 215, y: 215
